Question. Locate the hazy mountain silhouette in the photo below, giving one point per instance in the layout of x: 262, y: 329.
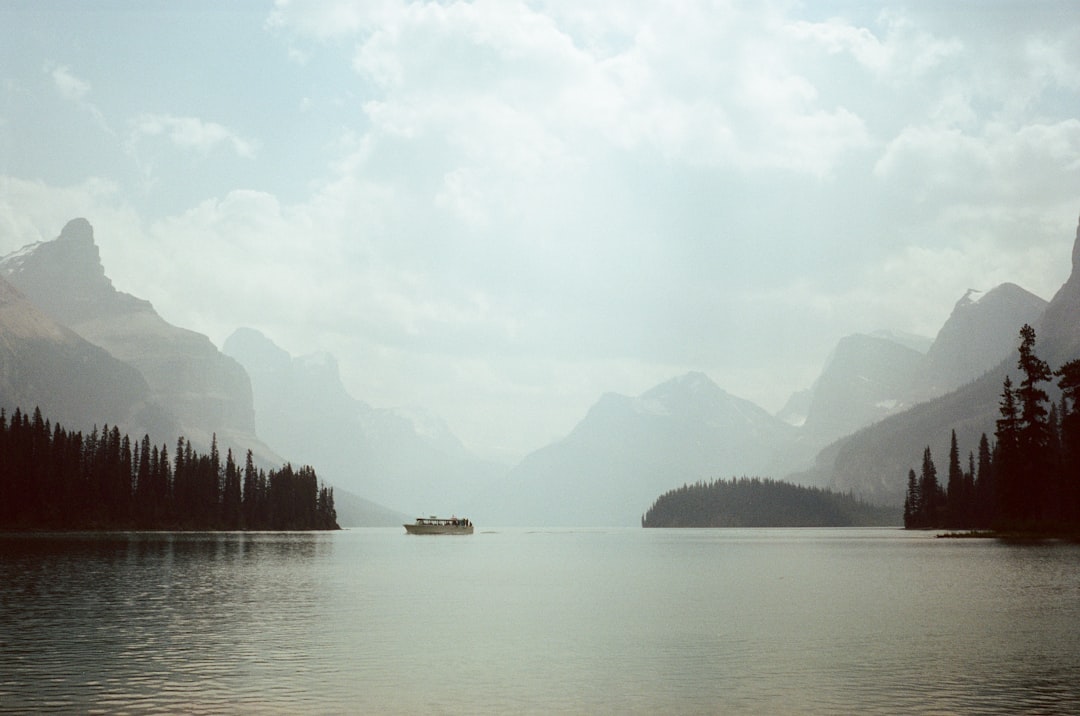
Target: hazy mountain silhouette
x: 627, y: 451
x: 205, y: 391
x: 44, y: 364
x: 863, y: 422
x: 407, y: 460
x: 979, y: 333
x: 874, y: 461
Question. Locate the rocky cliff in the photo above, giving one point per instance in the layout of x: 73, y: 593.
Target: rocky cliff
x: 204, y: 391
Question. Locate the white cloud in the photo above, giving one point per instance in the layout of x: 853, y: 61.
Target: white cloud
x: 70, y: 87
x: 191, y: 133
x: 77, y: 91
x: 1035, y: 163
x: 539, y: 201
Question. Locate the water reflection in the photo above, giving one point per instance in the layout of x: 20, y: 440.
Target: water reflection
x: 720, y: 621
x: 105, y: 621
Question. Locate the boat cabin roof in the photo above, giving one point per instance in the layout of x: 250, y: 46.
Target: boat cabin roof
x: 441, y: 520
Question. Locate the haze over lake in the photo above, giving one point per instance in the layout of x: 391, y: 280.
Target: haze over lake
x: 757, y: 621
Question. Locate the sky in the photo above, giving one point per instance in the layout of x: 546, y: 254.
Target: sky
x: 500, y: 210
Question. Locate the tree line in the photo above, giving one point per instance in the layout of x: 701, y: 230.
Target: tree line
x: 757, y: 502
x: 1028, y: 480
x: 52, y: 478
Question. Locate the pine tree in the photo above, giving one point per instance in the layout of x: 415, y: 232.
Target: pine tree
x: 912, y: 508
x: 230, y: 502
x: 1069, y: 382
x: 930, y: 494
x: 1008, y: 494
x: 1033, y: 434
x: 955, y: 490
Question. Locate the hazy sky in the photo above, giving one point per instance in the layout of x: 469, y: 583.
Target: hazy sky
x: 501, y: 210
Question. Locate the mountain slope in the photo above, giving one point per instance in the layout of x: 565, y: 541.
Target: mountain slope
x: 873, y: 462
x: 626, y: 451
x: 978, y: 334
x: 204, y: 390
x: 407, y: 460
x: 44, y: 364
x: 865, y: 379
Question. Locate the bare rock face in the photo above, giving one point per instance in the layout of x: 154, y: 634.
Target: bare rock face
x: 874, y: 462
x: 979, y: 333
x: 205, y: 390
x: 1059, y: 330
x: 405, y: 459
x: 46, y: 365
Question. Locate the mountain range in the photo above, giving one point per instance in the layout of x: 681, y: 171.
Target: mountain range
x: 202, y: 391
x: 88, y: 354
x: 627, y: 450
x: 404, y: 458
x: 874, y: 461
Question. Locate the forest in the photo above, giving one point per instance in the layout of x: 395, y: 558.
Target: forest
x: 757, y: 502
x: 54, y: 479
x: 1028, y: 479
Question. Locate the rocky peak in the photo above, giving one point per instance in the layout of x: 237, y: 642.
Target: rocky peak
x: 65, y: 276
x: 77, y: 230
x: 1076, y: 253
x: 1059, y: 329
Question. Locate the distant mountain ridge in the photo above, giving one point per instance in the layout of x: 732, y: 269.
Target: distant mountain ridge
x: 203, y: 390
x: 89, y: 355
x: 980, y: 331
x: 37, y: 354
x: 627, y: 450
x: 870, y: 377
x: 406, y: 459
x: 875, y: 399
x: 874, y: 461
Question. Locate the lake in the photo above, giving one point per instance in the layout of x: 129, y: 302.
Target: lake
x: 733, y: 621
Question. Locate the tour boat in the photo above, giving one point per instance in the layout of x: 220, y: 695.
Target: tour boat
x: 440, y: 526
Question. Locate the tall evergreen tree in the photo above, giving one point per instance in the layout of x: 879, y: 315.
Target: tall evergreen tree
x: 1009, y: 489
x: 1069, y: 382
x: 930, y: 493
x: 1033, y: 435
x: 231, y: 496
x: 912, y: 508
x: 955, y: 502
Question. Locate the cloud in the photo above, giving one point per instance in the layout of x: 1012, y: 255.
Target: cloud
x: 190, y: 133
x: 500, y: 203
x: 70, y: 87
x: 77, y: 91
x: 1037, y: 163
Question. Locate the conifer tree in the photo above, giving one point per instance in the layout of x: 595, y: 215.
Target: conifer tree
x: 230, y: 504
x: 912, y: 508
x: 955, y: 502
x: 1069, y: 382
x: 1033, y: 434
x: 930, y: 494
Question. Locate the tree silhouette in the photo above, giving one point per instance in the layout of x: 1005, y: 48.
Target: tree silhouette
x: 53, y: 479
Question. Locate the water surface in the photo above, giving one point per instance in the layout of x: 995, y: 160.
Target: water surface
x: 538, y: 621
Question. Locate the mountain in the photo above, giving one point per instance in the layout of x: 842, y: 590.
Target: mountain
x: 865, y: 379
x: 407, y: 460
x: 44, y: 364
x: 874, y: 461
x: 628, y: 450
x: 980, y: 331
x: 868, y: 378
x: 203, y: 390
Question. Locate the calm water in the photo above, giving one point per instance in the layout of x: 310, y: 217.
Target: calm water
x: 513, y: 621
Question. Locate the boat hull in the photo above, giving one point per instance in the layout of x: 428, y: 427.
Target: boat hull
x: 439, y: 529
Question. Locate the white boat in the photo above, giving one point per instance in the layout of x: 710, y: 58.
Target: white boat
x: 440, y: 526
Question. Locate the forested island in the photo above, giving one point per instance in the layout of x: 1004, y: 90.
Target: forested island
x: 757, y: 502
x: 1028, y: 481
x: 54, y: 479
